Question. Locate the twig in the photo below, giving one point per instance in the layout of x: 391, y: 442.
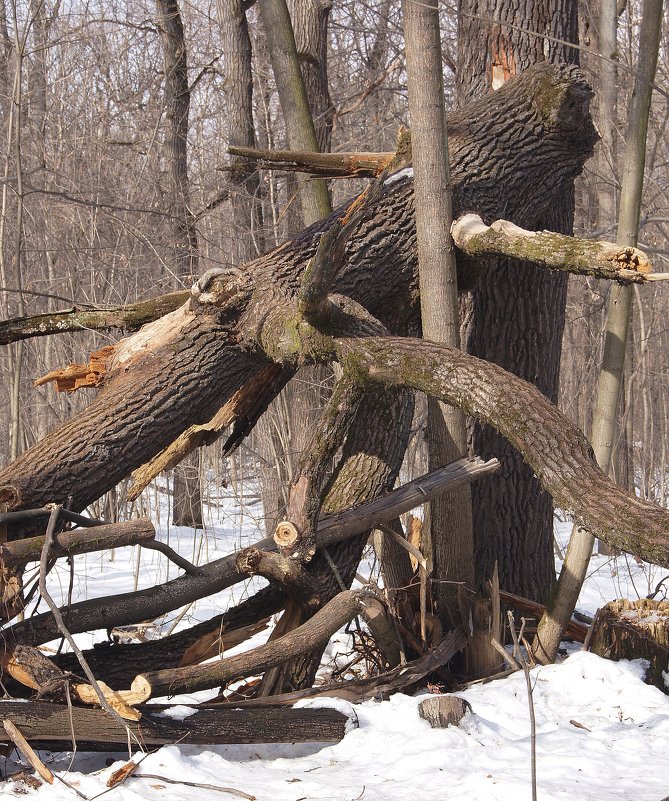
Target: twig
x: 530, y: 702
x: 48, y: 537
x: 172, y: 555
x: 230, y: 790
x: 23, y: 746
x: 513, y: 663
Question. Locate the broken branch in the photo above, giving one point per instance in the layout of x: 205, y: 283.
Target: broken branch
x: 556, y: 251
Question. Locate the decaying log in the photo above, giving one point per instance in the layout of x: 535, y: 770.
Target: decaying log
x: 442, y: 711
x: 316, y: 631
x: 48, y: 725
x: 557, y: 251
x: 88, y: 540
x: 125, y: 608
x: 635, y: 629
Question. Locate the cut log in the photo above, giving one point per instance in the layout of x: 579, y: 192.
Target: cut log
x: 635, y: 630
x: 48, y: 725
x: 442, y: 711
x: 99, y: 538
x: 126, y: 608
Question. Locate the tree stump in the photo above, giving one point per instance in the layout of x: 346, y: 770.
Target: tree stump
x: 635, y: 629
x: 441, y: 711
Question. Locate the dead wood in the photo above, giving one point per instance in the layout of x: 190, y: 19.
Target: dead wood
x: 286, y: 571
x: 442, y: 711
x: 635, y: 629
x: 48, y: 725
x: 542, y: 113
x: 22, y: 744
x: 558, y: 453
x: 67, y: 543
x: 315, y: 632
x: 128, y: 318
x: 557, y: 251
x: 327, y: 165
x: 400, y: 679
x: 126, y: 608
x: 575, y: 630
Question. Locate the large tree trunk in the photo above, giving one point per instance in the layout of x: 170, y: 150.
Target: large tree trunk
x: 516, y: 316
x: 187, y: 502
x: 512, y: 153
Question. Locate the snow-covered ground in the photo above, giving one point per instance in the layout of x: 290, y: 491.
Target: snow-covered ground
x: 601, y: 732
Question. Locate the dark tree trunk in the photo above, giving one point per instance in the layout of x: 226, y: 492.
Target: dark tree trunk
x: 187, y: 502
x: 516, y: 316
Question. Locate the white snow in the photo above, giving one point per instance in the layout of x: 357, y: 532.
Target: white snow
x: 407, y: 172
x: 601, y: 732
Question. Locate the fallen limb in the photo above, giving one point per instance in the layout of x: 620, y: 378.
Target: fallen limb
x: 327, y: 165
x: 126, y: 608
x: 22, y: 744
x: 577, y: 631
x: 310, y: 635
x: 557, y: 251
x: 558, y: 453
x: 67, y: 543
x: 358, y: 690
x: 46, y: 725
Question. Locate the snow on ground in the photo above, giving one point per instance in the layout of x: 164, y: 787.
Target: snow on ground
x: 601, y: 732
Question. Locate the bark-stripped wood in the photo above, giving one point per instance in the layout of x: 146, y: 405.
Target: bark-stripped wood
x: 558, y: 251
x: 48, y: 725
x: 325, y: 165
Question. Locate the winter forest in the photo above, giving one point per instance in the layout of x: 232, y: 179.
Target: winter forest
x: 335, y: 399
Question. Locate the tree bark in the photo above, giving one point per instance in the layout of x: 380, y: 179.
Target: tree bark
x: 46, y: 723
x: 516, y: 316
x: 450, y: 516
x: 535, y: 138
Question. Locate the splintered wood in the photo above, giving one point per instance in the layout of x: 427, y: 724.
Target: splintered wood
x: 76, y: 376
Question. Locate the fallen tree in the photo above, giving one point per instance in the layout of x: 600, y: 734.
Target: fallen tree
x: 335, y: 293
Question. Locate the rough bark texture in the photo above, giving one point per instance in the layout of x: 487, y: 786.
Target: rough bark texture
x: 558, y: 453
x: 517, y: 313
x: 511, y: 154
x: 47, y: 723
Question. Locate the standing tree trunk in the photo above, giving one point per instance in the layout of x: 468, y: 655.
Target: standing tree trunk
x: 450, y: 515
x: 298, y: 51
x: 187, y: 502
x: 516, y: 314
x: 605, y: 417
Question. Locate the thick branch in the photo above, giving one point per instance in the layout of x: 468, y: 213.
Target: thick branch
x: 555, y: 449
x: 128, y: 318
x: 312, y: 634
x: 99, y: 538
x: 49, y: 725
x: 326, y: 165
x: 546, y: 248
